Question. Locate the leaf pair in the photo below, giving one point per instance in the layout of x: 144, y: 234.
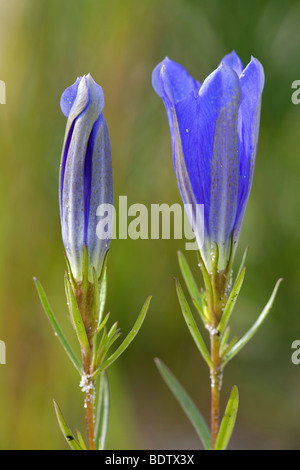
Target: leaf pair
x: 99, y: 352
x: 81, y: 334
x: 194, y: 414
x: 231, y: 349
x: 226, y: 351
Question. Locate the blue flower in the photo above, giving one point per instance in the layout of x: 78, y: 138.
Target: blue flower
x: 214, y: 131
x: 85, y: 175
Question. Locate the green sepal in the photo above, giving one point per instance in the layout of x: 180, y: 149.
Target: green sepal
x: 231, y: 257
x: 67, y: 433
x: 242, y: 263
x: 76, y: 317
x: 102, y: 293
x: 186, y: 404
x: 244, y: 340
x: 207, y: 284
x: 228, y: 420
x: 215, y: 260
x: 85, y: 269
x: 96, y: 299
x: 100, y: 289
x: 71, y: 277
x: 57, y: 329
x: 129, y: 338
x: 191, y: 324
x: 102, y: 411
x: 191, y: 285
x: 231, y: 301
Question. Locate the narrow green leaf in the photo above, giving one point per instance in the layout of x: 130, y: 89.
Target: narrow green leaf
x: 186, y: 404
x: 113, y: 338
x: 102, y: 411
x: 203, y: 312
x: 190, y: 281
x: 58, y: 331
x: 105, y: 348
x: 191, y: 324
x: 229, y: 346
x: 112, y: 330
x: 228, y: 420
x: 231, y: 301
x: 244, y: 340
x: 129, y: 338
x: 80, y: 440
x: 224, y: 339
x: 242, y: 263
x: 67, y: 433
x: 101, y: 347
x: 76, y: 317
x: 103, y: 323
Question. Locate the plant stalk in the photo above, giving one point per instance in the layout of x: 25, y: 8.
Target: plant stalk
x: 219, y: 287
x: 88, y: 386
x: 216, y: 382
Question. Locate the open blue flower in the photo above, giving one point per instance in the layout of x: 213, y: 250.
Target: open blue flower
x: 85, y: 175
x: 214, y: 131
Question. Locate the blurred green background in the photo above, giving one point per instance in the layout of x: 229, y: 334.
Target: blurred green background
x: 44, y: 46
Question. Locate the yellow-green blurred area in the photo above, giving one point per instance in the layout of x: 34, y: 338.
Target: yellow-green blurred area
x: 44, y: 46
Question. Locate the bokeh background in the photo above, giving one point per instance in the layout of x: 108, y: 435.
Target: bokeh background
x: 44, y: 46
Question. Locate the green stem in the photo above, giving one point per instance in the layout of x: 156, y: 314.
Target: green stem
x: 85, y: 298
x: 219, y: 285
x: 216, y: 382
x: 88, y: 386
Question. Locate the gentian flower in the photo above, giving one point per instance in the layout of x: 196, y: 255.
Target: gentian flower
x: 85, y: 175
x: 214, y: 131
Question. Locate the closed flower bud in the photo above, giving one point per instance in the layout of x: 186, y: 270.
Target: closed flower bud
x: 85, y: 176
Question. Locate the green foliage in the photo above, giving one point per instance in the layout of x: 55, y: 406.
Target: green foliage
x: 186, y: 404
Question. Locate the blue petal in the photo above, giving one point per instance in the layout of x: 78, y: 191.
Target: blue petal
x: 208, y: 137
x: 252, y: 84
x: 101, y: 193
x: 172, y: 82
x: 233, y: 61
x: 68, y: 97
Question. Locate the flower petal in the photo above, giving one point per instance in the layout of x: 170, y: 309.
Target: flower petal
x: 172, y: 82
x: 102, y: 191
x: 68, y: 97
x: 252, y: 84
x: 207, y: 127
x: 233, y: 61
